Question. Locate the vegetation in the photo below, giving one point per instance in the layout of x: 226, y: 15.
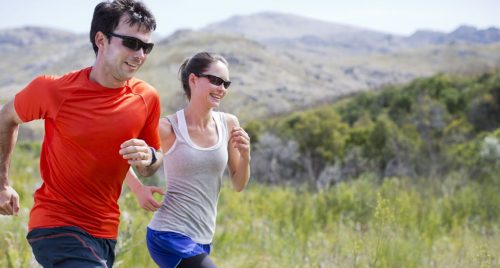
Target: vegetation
x: 404, y: 177
x: 358, y: 223
x: 428, y: 128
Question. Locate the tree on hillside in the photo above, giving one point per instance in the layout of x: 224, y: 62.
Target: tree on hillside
x: 485, y: 113
x: 392, y: 149
x: 321, y: 136
x: 276, y: 161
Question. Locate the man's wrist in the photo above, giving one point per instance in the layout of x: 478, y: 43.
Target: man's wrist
x: 153, y: 157
x: 4, y: 184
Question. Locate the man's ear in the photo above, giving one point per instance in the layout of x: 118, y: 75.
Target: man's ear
x: 100, y: 40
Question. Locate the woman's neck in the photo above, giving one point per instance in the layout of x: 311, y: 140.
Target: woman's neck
x: 197, y: 116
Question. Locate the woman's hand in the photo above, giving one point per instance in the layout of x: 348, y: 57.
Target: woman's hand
x: 241, y: 141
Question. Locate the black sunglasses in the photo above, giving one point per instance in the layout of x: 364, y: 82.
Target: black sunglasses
x: 133, y: 43
x: 214, y: 80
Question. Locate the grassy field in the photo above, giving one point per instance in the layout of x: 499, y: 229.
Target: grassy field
x: 397, y: 222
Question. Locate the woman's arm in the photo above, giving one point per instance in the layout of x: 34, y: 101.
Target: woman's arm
x: 239, y: 153
x: 167, y: 134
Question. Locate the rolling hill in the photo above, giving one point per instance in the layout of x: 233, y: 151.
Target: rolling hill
x: 278, y: 62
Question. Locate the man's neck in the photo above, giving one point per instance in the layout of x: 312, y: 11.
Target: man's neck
x: 103, y: 78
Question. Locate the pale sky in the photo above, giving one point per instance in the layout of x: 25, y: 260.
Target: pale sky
x: 390, y: 16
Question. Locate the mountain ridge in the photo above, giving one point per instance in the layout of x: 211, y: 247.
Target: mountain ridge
x: 272, y: 75
x: 303, y: 27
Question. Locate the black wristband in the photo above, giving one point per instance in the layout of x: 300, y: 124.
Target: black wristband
x: 153, y: 156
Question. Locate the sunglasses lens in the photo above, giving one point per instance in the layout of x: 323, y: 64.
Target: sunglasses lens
x: 215, y: 80
x: 136, y: 44
x: 131, y: 43
x: 147, y: 48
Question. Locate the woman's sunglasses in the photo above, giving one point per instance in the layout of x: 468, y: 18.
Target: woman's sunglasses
x: 134, y: 43
x: 214, y: 80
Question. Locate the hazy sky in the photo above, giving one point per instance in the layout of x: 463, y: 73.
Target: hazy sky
x: 391, y: 16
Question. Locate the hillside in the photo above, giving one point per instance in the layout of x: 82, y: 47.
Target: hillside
x: 278, y: 62
x: 408, y: 177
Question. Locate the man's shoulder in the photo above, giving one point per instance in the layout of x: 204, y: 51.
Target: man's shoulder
x: 140, y: 86
x: 145, y: 90
x: 67, y: 77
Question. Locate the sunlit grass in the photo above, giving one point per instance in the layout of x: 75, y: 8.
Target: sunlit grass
x: 366, y: 222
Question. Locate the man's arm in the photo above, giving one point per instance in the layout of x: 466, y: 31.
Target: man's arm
x: 144, y: 194
x: 146, y: 159
x: 9, y: 125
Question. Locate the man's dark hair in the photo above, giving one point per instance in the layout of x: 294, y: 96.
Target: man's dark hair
x: 107, y: 16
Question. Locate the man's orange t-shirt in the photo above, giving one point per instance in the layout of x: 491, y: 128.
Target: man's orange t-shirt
x: 81, y: 169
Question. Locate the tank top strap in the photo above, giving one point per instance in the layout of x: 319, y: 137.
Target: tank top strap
x: 175, y: 127
x: 222, y: 126
x: 181, y: 130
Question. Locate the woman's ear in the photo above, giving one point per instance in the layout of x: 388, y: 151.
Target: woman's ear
x: 192, y: 79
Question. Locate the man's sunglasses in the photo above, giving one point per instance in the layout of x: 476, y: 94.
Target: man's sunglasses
x: 214, y: 80
x: 133, y: 43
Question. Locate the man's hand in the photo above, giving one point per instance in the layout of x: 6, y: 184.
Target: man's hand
x: 9, y: 201
x: 136, y: 152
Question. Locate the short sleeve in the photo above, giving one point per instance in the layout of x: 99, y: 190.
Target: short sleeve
x: 150, y: 133
x: 37, y: 100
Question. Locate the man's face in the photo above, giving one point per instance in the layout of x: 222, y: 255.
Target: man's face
x: 122, y: 61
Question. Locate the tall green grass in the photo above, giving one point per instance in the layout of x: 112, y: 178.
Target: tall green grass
x: 397, y: 222
x: 364, y: 223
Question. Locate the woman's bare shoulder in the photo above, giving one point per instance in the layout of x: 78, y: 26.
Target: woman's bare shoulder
x: 166, y: 126
x: 231, y: 120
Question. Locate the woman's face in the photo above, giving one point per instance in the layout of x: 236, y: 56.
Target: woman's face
x: 205, y: 86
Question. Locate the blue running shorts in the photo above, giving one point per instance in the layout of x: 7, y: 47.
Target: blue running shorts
x: 168, y: 248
